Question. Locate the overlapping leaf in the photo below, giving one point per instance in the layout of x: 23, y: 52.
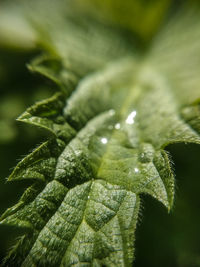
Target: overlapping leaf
x: 109, y: 124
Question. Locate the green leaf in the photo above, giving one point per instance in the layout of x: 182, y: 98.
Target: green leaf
x: 109, y: 124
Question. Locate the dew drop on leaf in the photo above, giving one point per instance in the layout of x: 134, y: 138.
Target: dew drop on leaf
x: 104, y: 140
x: 136, y: 170
x: 130, y: 118
x: 117, y: 126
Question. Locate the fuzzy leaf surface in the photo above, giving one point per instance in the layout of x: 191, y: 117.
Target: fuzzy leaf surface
x: 109, y: 123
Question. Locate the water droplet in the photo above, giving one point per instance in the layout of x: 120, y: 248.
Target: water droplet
x: 142, y: 155
x: 104, y: 140
x: 130, y: 118
x: 117, y: 126
x: 136, y: 170
x: 147, y: 153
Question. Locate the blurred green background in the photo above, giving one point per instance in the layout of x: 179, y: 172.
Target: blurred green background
x: 162, y: 239
x: 18, y: 90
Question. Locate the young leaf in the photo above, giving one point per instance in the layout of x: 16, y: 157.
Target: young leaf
x: 109, y: 125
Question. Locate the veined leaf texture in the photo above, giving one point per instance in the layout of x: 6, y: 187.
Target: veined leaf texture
x: 115, y: 110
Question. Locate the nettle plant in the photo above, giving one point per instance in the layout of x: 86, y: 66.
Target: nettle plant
x: 120, y: 100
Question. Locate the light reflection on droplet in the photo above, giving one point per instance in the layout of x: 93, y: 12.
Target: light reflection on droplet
x: 142, y: 155
x: 136, y: 170
x: 117, y: 126
x: 130, y: 118
x: 104, y: 140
